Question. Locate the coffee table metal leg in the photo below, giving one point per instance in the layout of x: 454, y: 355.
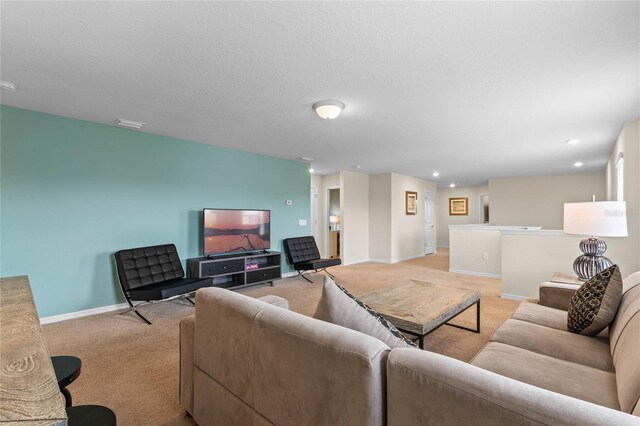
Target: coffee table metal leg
x: 477, y: 329
x: 421, y: 342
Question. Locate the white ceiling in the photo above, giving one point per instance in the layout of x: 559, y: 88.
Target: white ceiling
x: 473, y: 90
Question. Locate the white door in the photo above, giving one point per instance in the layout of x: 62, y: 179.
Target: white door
x: 314, y: 213
x: 429, y: 223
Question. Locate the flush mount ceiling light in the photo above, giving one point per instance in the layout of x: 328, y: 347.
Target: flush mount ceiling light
x: 328, y: 109
x: 452, y: 185
x: 130, y: 123
x: 577, y: 164
x: 573, y: 141
x: 311, y: 170
x: 7, y: 85
x: 435, y: 174
x: 307, y: 159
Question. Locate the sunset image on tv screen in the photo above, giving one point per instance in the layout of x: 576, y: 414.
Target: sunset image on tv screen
x: 227, y: 231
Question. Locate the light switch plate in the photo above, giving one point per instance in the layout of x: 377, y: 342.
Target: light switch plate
x: 302, y: 222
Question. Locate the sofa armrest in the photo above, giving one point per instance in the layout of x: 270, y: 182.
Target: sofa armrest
x: 187, y: 337
x: 427, y: 388
x: 557, y: 295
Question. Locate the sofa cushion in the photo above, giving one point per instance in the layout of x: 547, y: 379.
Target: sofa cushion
x: 542, y: 315
x: 549, y: 317
x: 585, y: 350
x: 310, y: 372
x: 596, y: 302
x: 557, y: 375
x: 340, y: 307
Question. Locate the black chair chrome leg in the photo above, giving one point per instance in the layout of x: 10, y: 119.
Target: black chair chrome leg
x: 301, y: 274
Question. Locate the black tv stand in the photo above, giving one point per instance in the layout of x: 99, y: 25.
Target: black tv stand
x: 237, y: 270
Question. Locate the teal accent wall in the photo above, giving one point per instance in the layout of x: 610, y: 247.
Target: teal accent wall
x: 75, y: 192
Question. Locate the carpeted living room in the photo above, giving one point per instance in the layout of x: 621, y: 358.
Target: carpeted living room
x: 319, y: 213
x: 134, y: 369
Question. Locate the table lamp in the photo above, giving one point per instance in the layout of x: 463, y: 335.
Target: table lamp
x: 334, y: 220
x: 595, y: 219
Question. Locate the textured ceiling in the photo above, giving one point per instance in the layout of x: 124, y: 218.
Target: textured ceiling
x: 473, y: 90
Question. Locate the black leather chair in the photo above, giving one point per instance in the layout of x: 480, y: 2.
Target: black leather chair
x: 303, y: 254
x: 153, y: 274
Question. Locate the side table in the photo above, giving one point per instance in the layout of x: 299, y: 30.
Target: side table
x: 559, y: 277
x: 90, y: 415
x: 67, y: 369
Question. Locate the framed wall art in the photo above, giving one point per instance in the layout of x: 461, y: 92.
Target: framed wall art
x: 411, y: 202
x: 458, y: 206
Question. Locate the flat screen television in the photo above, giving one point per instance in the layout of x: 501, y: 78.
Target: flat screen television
x: 235, y: 231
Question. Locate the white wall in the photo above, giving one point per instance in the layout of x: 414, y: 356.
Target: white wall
x: 531, y: 258
x: 407, y: 231
x: 539, y: 200
x: 468, y: 244
x: 316, y: 184
x: 354, y: 201
x: 334, y: 202
x: 628, y: 143
x: 380, y: 218
x: 442, y: 209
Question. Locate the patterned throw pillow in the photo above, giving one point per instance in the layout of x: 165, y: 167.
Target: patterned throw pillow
x: 596, y: 302
x: 340, y: 307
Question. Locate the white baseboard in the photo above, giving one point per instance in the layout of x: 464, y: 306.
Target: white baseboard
x: 85, y: 313
x: 289, y: 274
x: 514, y: 296
x: 478, y: 274
x: 380, y: 261
x: 413, y: 256
x: 444, y: 247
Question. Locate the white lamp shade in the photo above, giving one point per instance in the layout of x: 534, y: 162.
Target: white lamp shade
x: 334, y: 219
x: 598, y: 219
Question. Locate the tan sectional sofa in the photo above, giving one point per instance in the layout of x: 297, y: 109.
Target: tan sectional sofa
x: 247, y: 362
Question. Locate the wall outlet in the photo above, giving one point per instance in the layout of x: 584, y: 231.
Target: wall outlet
x: 302, y: 222
x: 485, y: 256
x: 289, y: 202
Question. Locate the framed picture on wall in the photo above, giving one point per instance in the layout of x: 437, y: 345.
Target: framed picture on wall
x: 411, y: 202
x: 458, y: 206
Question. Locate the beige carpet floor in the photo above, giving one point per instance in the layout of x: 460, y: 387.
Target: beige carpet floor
x: 133, y: 368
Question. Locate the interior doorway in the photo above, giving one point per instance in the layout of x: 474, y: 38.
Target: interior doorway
x: 332, y: 222
x: 484, y: 208
x: 429, y: 223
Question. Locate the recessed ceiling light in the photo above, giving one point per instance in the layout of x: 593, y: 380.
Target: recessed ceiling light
x: 577, y: 164
x: 452, y: 185
x: 573, y: 141
x: 7, y: 85
x: 328, y: 109
x: 311, y: 170
x: 130, y: 123
x: 435, y: 174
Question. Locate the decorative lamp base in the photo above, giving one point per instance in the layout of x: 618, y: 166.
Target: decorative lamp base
x: 591, y: 262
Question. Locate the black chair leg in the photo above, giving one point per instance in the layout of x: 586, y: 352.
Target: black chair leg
x: 301, y: 274
x: 68, y: 401
x: 136, y: 310
x: 333, y: 277
x: 190, y: 301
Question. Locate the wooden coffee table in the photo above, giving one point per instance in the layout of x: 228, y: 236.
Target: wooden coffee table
x: 418, y: 308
